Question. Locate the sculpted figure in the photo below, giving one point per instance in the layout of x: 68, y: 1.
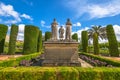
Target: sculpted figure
x: 54, y: 30
x: 68, y: 30
x: 61, y: 33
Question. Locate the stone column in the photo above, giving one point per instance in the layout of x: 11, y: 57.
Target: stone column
x: 68, y: 30
x: 54, y: 27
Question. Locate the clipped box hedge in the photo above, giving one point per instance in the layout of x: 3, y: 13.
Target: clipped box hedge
x: 59, y: 73
x: 112, y: 62
x: 15, y: 61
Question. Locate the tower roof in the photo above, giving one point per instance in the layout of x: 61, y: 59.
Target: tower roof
x: 68, y: 22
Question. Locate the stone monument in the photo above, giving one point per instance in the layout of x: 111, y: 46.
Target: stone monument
x: 61, y: 52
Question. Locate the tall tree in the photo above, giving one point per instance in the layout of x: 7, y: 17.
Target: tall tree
x: 113, y: 44
x: 3, y: 32
x: 13, y: 37
x: 100, y: 31
x: 75, y: 36
x: 47, y: 35
x: 39, y: 45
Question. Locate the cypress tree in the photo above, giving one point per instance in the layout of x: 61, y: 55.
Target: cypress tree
x: 113, y: 45
x: 3, y: 32
x: 47, y: 35
x: 30, y: 39
x: 75, y: 36
x: 84, y: 40
x: 95, y: 44
x: 39, y: 45
x: 13, y: 37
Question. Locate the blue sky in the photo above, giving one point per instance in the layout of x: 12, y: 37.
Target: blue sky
x: 83, y: 13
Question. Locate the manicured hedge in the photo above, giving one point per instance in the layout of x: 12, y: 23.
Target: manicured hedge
x: 75, y: 36
x: 114, y: 63
x: 95, y: 44
x: 113, y: 44
x: 30, y: 39
x: 84, y: 40
x: 3, y: 32
x: 13, y: 37
x: 39, y: 44
x: 59, y: 73
x: 16, y: 61
x: 47, y: 35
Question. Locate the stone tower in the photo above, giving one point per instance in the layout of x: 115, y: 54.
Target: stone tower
x: 68, y: 30
x: 54, y: 27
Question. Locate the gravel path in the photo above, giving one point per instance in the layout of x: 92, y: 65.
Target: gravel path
x: 85, y: 64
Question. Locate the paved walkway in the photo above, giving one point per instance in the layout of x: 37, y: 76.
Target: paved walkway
x: 85, y: 64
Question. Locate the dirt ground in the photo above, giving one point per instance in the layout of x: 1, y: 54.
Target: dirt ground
x: 6, y: 57
x: 114, y: 58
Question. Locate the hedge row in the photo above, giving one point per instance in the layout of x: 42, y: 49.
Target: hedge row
x: 15, y: 61
x: 30, y: 39
x: 59, y: 73
x: 3, y: 32
x: 112, y: 62
x: 95, y: 44
x: 13, y: 38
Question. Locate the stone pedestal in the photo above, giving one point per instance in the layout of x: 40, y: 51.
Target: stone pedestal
x: 61, y: 54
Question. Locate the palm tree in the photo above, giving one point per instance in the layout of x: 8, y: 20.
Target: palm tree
x: 100, y: 32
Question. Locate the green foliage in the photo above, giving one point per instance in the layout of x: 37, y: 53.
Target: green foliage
x: 47, y: 35
x: 39, y: 45
x: 59, y: 73
x: 112, y: 62
x: 15, y: 61
x: 3, y: 32
x: 13, y: 37
x: 84, y: 41
x: 95, y: 44
x: 30, y: 39
x: 113, y: 44
x: 75, y: 36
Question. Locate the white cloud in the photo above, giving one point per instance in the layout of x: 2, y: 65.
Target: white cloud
x: 26, y: 16
x: 117, y: 31
x: 94, y: 10
x: 42, y: 23
x: 12, y: 16
x: 78, y: 24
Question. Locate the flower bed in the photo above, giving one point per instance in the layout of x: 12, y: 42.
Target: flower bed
x: 98, y: 60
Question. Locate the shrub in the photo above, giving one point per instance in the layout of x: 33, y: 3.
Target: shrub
x: 47, y: 35
x: 3, y: 32
x: 75, y: 36
x: 39, y: 45
x: 84, y: 41
x: 12, y: 41
x: 30, y: 39
x: 113, y: 45
x: 95, y: 44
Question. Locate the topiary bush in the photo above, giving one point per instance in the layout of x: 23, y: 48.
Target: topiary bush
x: 3, y: 32
x: 13, y: 37
x: 84, y: 41
x: 39, y: 45
x: 75, y: 36
x: 113, y: 44
x: 95, y: 44
x: 30, y: 39
x: 47, y: 35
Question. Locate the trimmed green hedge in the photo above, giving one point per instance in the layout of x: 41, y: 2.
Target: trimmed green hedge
x: 112, y: 62
x: 3, y: 32
x: 113, y: 44
x: 59, y: 73
x: 84, y: 40
x: 75, y: 37
x: 30, y: 39
x: 95, y: 44
x: 12, y: 41
x: 16, y: 61
x: 39, y: 44
x: 47, y: 35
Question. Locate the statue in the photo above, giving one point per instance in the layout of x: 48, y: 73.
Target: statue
x: 54, y: 30
x: 68, y: 30
x: 61, y: 32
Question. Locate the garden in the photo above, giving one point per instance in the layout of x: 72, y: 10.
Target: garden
x: 28, y: 66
